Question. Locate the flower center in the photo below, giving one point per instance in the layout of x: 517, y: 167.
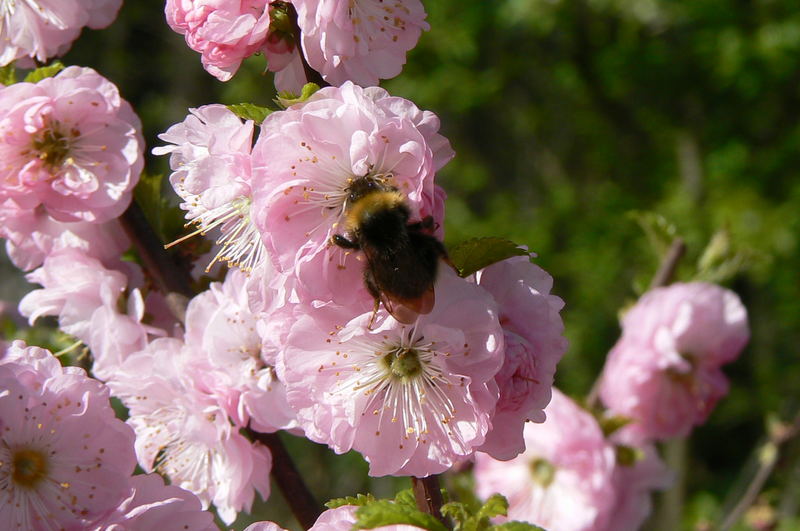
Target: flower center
x: 543, y: 472
x: 403, y: 363
x: 30, y: 468
x: 52, y: 146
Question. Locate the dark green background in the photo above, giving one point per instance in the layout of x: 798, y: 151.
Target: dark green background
x: 566, y: 116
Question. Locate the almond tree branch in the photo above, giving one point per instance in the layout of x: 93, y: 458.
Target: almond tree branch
x: 767, y: 455
x: 171, y: 278
x: 670, y: 263
x: 304, y: 507
x: 311, y: 75
x: 428, y: 494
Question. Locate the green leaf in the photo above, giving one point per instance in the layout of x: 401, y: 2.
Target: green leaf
x: 473, y: 255
x: 722, y: 259
x: 457, y: 511
x: 44, y: 72
x: 250, y: 111
x: 658, y: 230
x: 611, y: 424
x: 516, y: 526
x: 148, y: 194
x: 497, y: 505
x: 358, y: 499
x: 406, y: 497
x: 287, y: 99
x: 384, y: 512
x: 165, y: 218
x: 628, y: 455
x: 8, y: 74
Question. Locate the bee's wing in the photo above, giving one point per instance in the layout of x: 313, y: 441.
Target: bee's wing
x: 407, y: 310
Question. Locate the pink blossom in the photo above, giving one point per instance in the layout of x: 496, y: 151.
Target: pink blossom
x: 40, y: 29
x: 362, y: 41
x: 73, y: 287
x: 210, y: 159
x: 31, y: 235
x: 264, y: 526
x: 65, y: 459
x: 534, y: 344
x: 412, y: 400
x: 129, y: 335
x: 635, y: 479
x: 225, y: 33
x: 87, y: 298
x: 220, y: 327
x: 152, y: 505
x: 304, y: 161
x: 71, y: 144
x: 665, y: 371
x: 564, y: 479
x: 185, y: 433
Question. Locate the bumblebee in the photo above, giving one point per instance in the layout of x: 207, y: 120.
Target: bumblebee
x: 402, y: 258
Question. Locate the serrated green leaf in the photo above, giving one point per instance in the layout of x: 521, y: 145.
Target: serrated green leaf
x: 286, y: 99
x: 496, y: 505
x: 516, y: 526
x: 358, y: 499
x: 659, y: 231
x: 250, y: 111
x: 8, y: 75
x: 473, y: 255
x: 44, y: 72
x: 406, y: 497
x: 721, y: 260
x: 384, y: 512
x: 457, y: 511
x: 718, y: 250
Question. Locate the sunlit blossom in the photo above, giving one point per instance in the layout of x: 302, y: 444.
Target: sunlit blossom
x: 665, y: 373
x: 71, y: 144
x: 210, y: 158
x: 412, y: 399
x: 40, y: 29
x: 65, y: 459
x: 307, y: 157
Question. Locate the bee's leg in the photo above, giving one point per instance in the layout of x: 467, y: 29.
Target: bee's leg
x: 427, y: 224
x: 341, y: 241
x: 374, y: 313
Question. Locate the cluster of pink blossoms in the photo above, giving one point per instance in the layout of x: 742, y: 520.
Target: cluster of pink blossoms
x: 344, y: 40
x: 72, y: 151
x: 41, y: 29
x: 66, y: 460
x: 290, y: 339
x: 571, y: 477
x: 665, y: 372
x: 662, y: 377
x: 480, y: 363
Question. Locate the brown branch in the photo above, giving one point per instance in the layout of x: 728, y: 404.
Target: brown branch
x: 312, y: 76
x: 428, y: 494
x: 767, y: 455
x: 304, y: 506
x: 169, y: 277
x: 670, y: 263
x: 173, y: 279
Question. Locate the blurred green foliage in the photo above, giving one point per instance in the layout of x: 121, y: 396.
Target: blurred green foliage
x: 567, y: 116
